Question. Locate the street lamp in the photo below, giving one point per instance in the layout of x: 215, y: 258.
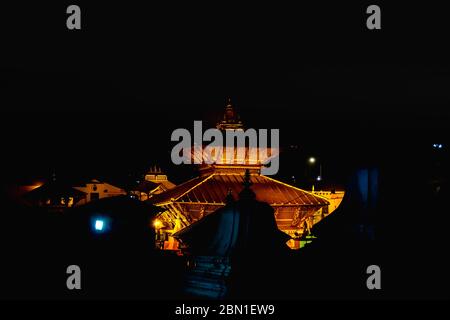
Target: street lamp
x: 312, y: 161
x: 157, y: 224
x: 100, y: 224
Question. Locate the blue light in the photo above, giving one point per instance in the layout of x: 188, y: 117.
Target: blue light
x: 99, y: 225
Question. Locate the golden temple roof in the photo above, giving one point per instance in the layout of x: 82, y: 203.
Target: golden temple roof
x: 213, y: 189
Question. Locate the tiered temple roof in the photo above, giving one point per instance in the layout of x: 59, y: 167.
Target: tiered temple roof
x: 212, y: 189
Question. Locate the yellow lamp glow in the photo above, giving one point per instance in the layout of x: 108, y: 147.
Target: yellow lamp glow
x: 157, y: 224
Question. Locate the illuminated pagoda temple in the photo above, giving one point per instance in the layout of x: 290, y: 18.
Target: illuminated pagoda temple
x: 295, y: 210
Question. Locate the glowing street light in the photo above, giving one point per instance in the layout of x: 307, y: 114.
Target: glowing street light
x: 157, y: 224
x: 99, y: 225
x: 312, y: 161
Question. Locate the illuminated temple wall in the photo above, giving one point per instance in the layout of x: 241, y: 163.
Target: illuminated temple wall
x: 291, y: 220
x: 295, y: 210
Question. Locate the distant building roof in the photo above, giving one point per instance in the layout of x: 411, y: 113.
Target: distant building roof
x: 117, y: 205
x: 156, y: 178
x: 146, y: 186
x: 53, y: 188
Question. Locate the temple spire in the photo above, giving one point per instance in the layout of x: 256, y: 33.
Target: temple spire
x: 230, y: 119
x: 247, y: 193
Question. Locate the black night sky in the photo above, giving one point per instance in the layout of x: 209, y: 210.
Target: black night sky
x: 108, y: 97
x: 103, y: 102
x: 109, y: 124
